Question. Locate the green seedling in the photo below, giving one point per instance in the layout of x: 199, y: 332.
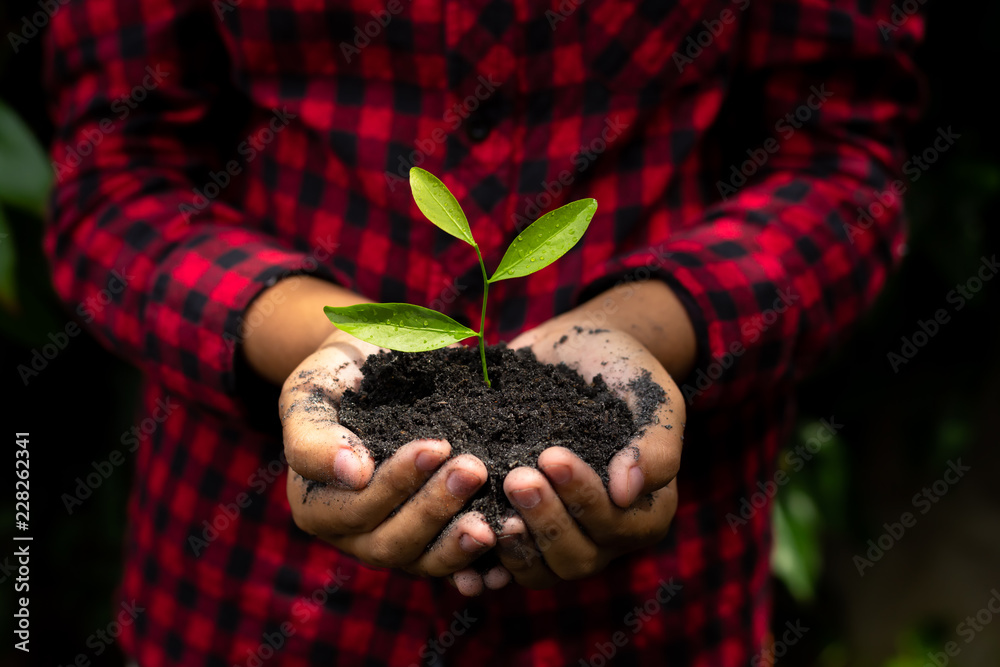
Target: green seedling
x: 408, y: 328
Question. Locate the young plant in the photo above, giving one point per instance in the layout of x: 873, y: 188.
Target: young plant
x: 408, y: 328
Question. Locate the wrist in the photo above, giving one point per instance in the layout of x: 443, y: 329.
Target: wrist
x: 285, y: 324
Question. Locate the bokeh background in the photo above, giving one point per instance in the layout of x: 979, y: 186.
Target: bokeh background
x: 897, y: 429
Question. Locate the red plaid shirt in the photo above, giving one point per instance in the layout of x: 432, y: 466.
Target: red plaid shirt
x: 207, y: 148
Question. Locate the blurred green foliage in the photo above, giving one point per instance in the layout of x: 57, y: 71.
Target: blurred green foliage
x: 75, y: 411
x: 25, y: 179
x: 902, y: 427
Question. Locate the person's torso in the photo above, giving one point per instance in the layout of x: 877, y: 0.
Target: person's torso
x: 519, y: 107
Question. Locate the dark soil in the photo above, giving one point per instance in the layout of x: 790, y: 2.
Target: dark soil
x: 529, y: 408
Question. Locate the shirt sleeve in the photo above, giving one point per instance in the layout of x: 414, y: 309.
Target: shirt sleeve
x: 807, y: 224
x: 135, y: 88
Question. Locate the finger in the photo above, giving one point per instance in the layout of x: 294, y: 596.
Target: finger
x: 526, y: 339
x: 582, y: 493
x: 316, y: 446
x: 327, y: 453
x: 461, y: 543
x: 468, y: 582
x: 403, y: 537
x: 331, y: 510
x: 328, y: 372
x: 568, y: 552
x: 496, y: 578
x: 653, y: 458
x: 521, y: 558
x: 586, y: 500
x: 632, y: 373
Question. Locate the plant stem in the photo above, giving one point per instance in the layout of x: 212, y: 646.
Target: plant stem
x: 482, y: 318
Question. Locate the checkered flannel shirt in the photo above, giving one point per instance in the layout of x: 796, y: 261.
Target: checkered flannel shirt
x: 205, y: 149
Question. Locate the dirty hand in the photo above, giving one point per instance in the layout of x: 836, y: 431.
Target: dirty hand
x: 336, y: 494
x: 569, y: 525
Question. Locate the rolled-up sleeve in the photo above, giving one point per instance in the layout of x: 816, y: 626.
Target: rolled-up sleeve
x: 794, y: 250
x: 158, y: 279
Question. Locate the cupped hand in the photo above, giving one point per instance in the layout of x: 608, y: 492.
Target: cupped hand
x: 385, y: 517
x: 569, y: 526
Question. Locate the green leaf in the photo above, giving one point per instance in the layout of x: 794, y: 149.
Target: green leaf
x: 435, y: 200
x: 8, y: 266
x: 546, y: 240
x: 25, y: 175
x: 795, y: 553
x: 399, y: 326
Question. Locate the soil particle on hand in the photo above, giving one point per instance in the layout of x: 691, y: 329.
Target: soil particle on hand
x: 311, y: 485
x: 530, y: 407
x: 648, y: 396
x: 591, y: 332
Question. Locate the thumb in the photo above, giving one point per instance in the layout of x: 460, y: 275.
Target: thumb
x: 526, y: 339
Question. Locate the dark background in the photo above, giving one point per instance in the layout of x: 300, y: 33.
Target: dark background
x: 899, y: 431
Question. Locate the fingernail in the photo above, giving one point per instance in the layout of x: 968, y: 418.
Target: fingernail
x: 511, y: 528
x: 635, y: 481
x: 428, y: 460
x: 345, y: 466
x: 526, y: 498
x: 558, y: 473
x: 470, y: 544
x: 461, y: 483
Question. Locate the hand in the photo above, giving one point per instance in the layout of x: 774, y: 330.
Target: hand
x: 385, y: 517
x: 569, y: 526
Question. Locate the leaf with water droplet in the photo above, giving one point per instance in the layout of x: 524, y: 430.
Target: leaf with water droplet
x: 435, y: 200
x: 399, y: 326
x: 552, y: 234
